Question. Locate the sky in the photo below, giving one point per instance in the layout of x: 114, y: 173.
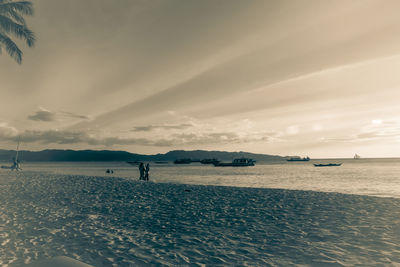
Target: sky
x: 308, y: 77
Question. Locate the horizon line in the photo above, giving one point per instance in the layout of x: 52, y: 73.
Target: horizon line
x: 286, y: 156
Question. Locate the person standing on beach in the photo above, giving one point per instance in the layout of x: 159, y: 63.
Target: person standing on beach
x: 141, y: 171
x: 147, y: 169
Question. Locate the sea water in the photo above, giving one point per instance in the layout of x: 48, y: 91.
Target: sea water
x: 374, y: 177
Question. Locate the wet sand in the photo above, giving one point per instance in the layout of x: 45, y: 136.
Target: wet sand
x: 107, y: 221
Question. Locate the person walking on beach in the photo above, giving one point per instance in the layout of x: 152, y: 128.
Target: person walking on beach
x: 146, y: 172
x: 141, y: 171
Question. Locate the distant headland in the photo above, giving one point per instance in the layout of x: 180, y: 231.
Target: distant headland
x: 111, y: 155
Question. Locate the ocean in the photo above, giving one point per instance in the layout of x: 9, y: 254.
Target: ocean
x: 287, y: 214
x: 374, y: 177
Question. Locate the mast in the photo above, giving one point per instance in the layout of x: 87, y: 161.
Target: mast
x: 16, y: 155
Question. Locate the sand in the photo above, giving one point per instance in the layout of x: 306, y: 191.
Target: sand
x: 107, y: 221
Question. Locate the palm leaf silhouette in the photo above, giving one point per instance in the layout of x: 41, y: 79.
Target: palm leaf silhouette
x: 13, y: 24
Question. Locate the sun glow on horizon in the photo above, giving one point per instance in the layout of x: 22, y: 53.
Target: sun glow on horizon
x: 376, y: 121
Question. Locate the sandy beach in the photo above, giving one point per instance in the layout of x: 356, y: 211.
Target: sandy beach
x: 107, y: 221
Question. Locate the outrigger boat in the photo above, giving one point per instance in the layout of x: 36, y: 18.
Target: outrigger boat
x: 16, y: 166
x: 327, y: 165
x: 242, y: 162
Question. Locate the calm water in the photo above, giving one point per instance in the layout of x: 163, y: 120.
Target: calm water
x: 375, y: 177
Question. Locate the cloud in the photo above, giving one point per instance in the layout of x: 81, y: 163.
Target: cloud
x: 78, y: 137
x: 293, y: 129
x: 376, y: 121
x: 43, y: 115
x: 73, y: 115
x: 49, y: 116
x: 367, y: 135
x: 221, y: 138
x: 207, y: 138
x: 149, y: 128
x: 7, y: 131
x: 75, y: 137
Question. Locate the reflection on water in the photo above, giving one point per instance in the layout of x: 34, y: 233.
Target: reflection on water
x: 377, y: 177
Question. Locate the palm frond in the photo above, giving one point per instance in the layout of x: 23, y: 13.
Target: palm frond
x: 11, y: 48
x: 14, y: 15
x: 7, y: 25
x: 12, y: 23
x: 21, y: 7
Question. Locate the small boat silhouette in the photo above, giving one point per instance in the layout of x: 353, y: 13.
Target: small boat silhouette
x: 327, y: 165
x: 298, y: 159
x: 16, y: 166
x: 242, y: 162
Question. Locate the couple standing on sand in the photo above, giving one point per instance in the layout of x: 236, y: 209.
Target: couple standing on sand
x: 144, y: 171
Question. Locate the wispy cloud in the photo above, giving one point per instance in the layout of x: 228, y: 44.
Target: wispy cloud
x: 149, y: 128
x: 221, y: 138
x: 7, y: 131
x: 43, y: 115
x: 370, y: 134
x: 73, y: 115
x: 77, y: 137
x: 49, y: 116
x: 175, y: 140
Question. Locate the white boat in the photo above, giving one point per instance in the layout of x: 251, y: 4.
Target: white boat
x: 356, y: 156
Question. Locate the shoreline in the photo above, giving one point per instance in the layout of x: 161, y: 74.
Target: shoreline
x: 196, y: 184
x: 114, y: 222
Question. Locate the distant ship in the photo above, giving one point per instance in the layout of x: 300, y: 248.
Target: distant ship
x: 298, y: 159
x: 242, y: 162
x: 136, y: 162
x: 356, y: 156
x: 327, y: 165
x: 209, y: 161
x: 183, y: 161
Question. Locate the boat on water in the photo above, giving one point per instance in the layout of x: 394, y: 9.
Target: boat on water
x: 327, y: 164
x: 209, y: 161
x: 183, y: 161
x: 298, y: 159
x: 136, y: 162
x: 356, y: 156
x: 242, y: 162
x: 16, y: 166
